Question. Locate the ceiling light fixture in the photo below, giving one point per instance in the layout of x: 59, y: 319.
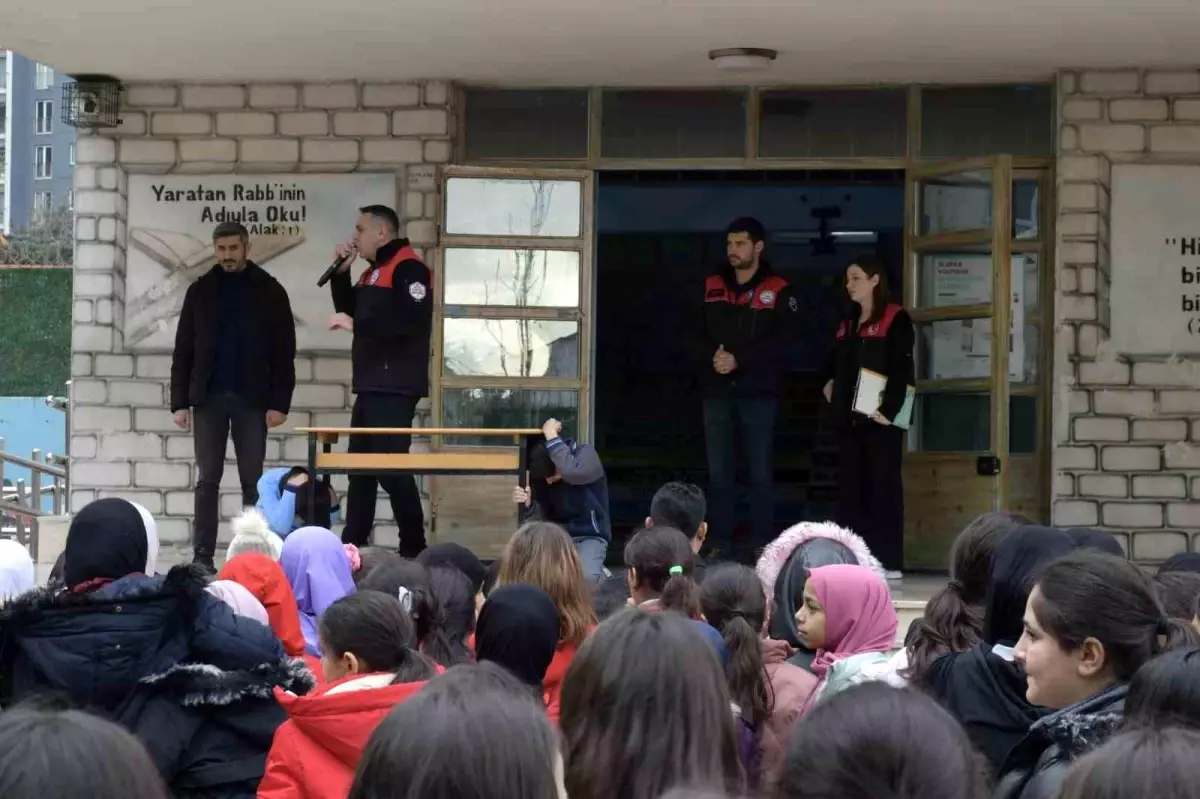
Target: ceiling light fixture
x: 743, y: 59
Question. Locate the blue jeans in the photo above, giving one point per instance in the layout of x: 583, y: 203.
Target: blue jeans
x: 592, y: 551
x: 755, y: 416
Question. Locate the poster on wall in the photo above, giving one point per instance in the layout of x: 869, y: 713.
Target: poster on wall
x: 1155, y: 295
x: 295, y: 222
x: 962, y: 348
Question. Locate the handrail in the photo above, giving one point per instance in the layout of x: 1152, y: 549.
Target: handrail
x: 44, y: 468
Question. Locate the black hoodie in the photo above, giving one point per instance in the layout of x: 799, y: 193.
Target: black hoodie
x: 756, y: 323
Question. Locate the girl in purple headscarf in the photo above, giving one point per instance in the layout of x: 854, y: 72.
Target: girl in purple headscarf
x: 318, y: 568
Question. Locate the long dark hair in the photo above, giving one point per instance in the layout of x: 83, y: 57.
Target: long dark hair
x: 388, y: 577
x: 474, y: 731
x: 645, y: 709
x: 1166, y: 691
x: 50, y: 753
x: 1089, y: 594
x: 1137, y: 764
x: 372, y: 626
x: 456, y: 595
x: 873, y: 740
x: 733, y: 601
x: 666, y: 567
x: 872, y: 265
x: 953, y: 618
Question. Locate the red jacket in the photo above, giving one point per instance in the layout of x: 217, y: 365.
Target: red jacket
x: 315, y: 753
x: 555, y: 672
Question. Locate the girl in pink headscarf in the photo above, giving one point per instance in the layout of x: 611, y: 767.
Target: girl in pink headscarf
x: 848, y: 618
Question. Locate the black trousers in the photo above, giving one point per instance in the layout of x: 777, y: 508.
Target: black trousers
x: 872, y: 491
x: 384, y: 410
x: 212, y: 424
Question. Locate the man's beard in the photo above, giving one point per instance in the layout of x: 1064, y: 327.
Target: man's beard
x: 738, y: 263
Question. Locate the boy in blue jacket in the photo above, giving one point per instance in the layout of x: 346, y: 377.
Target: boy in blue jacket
x: 283, y: 500
x: 567, y: 486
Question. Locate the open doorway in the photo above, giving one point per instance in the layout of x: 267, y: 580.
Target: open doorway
x: 658, y: 235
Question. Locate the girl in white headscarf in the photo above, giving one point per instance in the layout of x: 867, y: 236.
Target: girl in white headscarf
x: 151, y: 538
x: 17, y: 573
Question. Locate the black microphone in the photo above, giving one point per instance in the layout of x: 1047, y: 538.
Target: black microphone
x: 329, y: 273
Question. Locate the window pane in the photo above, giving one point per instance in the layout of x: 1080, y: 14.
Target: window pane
x: 954, y: 423
x: 530, y: 278
x: 833, y: 124
x: 526, y: 124
x: 985, y: 120
x: 1022, y: 425
x: 511, y: 347
x: 507, y: 409
x: 962, y: 349
x: 1027, y: 275
x: 956, y: 202
x: 673, y: 124
x: 955, y: 278
x: 1025, y: 209
x: 500, y: 207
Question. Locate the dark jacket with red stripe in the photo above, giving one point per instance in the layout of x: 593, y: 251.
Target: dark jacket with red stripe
x: 392, y: 307
x: 755, y: 322
x: 885, y: 347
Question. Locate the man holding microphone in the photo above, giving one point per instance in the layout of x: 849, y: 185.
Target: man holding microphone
x: 389, y: 311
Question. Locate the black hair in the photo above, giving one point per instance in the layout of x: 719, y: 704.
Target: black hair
x: 872, y: 265
x: 472, y: 732
x: 953, y: 618
x: 679, y: 505
x: 383, y: 214
x: 1136, y: 764
x: 456, y: 596
x: 748, y: 225
x: 656, y: 551
x: 540, y: 464
x: 1166, y: 691
x: 873, y: 740
x: 371, y: 558
x: 69, y: 753
x: 610, y: 596
x: 645, y: 709
x: 388, y: 576
x: 490, y: 577
x: 1178, y: 592
x: 373, y: 627
x: 734, y: 602
x: 227, y: 229
x: 1090, y: 594
x: 312, y: 516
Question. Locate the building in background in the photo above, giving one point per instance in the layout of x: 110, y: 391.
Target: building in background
x: 38, y: 149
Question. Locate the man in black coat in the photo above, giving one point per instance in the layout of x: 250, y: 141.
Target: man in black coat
x: 233, y: 370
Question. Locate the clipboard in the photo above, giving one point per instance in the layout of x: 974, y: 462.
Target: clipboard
x: 868, y: 395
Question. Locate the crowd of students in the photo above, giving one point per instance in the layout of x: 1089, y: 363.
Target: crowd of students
x: 1049, y: 666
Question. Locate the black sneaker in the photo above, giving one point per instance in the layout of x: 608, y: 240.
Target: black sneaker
x: 205, y: 562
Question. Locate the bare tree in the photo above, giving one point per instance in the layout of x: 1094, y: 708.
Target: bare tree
x: 49, y: 239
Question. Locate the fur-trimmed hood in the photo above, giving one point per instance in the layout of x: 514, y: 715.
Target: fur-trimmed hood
x: 98, y: 647
x: 773, y: 558
x: 1085, y: 726
x: 201, y: 685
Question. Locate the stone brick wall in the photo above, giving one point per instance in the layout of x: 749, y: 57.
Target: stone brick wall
x: 1127, y: 432
x: 123, y: 439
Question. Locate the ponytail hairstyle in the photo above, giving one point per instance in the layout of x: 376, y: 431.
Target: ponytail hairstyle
x: 733, y: 601
x: 1089, y: 594
x: 456, y: 596
x: 665, y: 565
x: 953, y: 618
x: 374, y: 628
x: 409, y: 582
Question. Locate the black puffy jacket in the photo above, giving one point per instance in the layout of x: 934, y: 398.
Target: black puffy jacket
x: 1036, y: 768
x: 165, y: 659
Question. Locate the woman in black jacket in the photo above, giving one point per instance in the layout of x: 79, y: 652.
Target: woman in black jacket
x: 1091, y: 622
x: 158, y: 655
x: 875, y: 336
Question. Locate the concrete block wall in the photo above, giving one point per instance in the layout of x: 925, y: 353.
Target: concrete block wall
x: 1127, y: 431
x: 123, y: 440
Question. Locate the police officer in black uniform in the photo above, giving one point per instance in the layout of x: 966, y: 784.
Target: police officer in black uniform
x: 747, y: 333
x: 390, y: 312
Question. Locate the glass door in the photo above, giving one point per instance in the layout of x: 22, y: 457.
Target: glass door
x: 959, y: 290
x: 512, y: 327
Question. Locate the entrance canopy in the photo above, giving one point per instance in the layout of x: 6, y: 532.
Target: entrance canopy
x: 589, y: 42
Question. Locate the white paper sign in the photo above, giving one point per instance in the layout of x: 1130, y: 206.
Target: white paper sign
x: 1155, y: 296
x: 295, y: 222
x: 962, y: 349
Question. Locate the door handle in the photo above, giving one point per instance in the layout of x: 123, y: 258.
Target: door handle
x: 987, y: 465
